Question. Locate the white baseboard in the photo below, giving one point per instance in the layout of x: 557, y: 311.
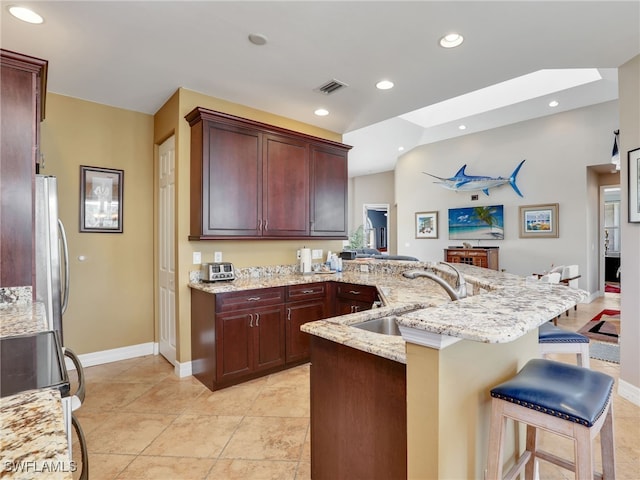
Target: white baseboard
x: 629, y: 392
x: 115, y: 354
x: 182, y: 369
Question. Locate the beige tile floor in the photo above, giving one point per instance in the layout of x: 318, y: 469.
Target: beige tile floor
x: 142, y: 422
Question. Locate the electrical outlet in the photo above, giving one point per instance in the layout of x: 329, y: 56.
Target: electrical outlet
x: 364, y: 268
x: 316, y: 253
x: 217, y: 257
x: 197, y: 257
x: 298, y: 254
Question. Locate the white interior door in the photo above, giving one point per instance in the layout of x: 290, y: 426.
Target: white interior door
x: 166, y: 251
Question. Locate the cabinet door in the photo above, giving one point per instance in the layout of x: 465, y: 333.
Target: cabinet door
x: 232, y: 181
x: 20, y: 98
x: 234, y: 346
x: 285, y: 199
x: 329, y: 192
x: 268, y: 337
x: 297, y: 315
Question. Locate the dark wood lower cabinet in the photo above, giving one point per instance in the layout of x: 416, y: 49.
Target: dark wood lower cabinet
x: 298, y: 350
x: 358, y: 414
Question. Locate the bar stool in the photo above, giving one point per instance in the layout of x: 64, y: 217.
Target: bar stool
x: 552, y: 339
x: 564, y: 399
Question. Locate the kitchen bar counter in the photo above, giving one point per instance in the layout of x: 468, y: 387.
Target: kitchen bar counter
x: 501, y: 307
x: 32, y: 435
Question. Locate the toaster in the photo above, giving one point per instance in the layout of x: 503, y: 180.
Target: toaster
x: 217, y: 271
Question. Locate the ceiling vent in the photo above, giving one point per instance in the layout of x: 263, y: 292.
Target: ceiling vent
x: 330, y: 87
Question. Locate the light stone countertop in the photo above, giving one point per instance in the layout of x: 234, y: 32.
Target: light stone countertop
x: 501, y: 307
x: 32, y: 434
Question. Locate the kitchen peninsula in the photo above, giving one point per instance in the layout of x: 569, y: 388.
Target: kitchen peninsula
x: 453, y: 353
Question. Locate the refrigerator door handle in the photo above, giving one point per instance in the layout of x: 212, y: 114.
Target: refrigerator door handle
x: 65, y: 250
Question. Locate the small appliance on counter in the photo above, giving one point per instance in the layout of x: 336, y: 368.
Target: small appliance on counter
x: 217, y: 271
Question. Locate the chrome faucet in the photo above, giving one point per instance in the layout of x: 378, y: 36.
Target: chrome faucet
x: 455, y: 293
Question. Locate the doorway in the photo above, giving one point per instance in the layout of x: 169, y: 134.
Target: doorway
x: 376, y: 226
x: 610, y: 232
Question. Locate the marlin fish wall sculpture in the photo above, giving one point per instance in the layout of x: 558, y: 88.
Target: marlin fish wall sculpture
x: 461, y: 182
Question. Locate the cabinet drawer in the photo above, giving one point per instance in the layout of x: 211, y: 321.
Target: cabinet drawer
x: 362, y: 293
x: 232, y: 301
x: 307, y: 291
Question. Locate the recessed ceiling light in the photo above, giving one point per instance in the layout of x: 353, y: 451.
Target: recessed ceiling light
x: 554, y: 103
x: 401, y: 149
x: 257, y: 39
x: 322, y: 112
x: 462, y: 127
x: 384, y: 85
x: 451, y: 40
x: 25, y: 14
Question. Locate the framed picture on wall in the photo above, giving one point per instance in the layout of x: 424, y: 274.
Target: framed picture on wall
x: 539, y: 221
x: 101, y: 191
x: 634, y: 185
x: 427, y: 225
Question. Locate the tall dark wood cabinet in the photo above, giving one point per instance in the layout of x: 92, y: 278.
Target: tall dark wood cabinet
x: 253, y: 180
x: 22, y: 93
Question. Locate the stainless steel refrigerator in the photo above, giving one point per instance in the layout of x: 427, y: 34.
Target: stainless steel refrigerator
x: 52, y: 289
x: 51, y: 254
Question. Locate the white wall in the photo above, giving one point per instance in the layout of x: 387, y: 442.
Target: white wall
x: 629, y: 85
x: 557, y: 149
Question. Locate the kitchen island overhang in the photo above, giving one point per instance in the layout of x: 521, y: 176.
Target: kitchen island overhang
x: 454, y: 353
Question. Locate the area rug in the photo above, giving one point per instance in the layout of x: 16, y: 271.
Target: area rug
x: 604, y: 327
x: 611, y: 289
x: 609, y: 352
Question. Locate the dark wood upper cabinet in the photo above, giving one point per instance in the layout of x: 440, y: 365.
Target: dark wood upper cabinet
x: 253, y: 180
x: 22, y: 93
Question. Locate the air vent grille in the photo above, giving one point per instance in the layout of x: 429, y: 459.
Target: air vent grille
x: 330, y: 87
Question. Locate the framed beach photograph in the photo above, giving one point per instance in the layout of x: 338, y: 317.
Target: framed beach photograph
x: 477, y: 223
x: 634, y: 185
x: 101, y: 191
x: 427, y: 225
x: 539, y: 221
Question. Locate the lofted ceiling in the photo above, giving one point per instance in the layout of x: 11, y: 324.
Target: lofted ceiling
x: 134, y: 55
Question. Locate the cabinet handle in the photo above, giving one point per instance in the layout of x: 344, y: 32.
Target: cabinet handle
x: 307, y: 292
x: 251, y: 320
x: 253, y: 299
x: 354, y: 292
x: 257, y: 319
x: 266, y: 223
x: 289, y: 314
x: 260, y: 224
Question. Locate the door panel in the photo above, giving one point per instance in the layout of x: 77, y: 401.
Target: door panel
x: 269, y: 338
x: 234, y: 346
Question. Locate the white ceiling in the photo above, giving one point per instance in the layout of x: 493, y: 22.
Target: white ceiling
x: 134, y: 55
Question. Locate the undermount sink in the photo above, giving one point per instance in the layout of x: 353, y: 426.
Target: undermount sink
x: 384, y: 325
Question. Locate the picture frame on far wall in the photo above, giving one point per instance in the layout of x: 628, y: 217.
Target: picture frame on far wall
x: 101, y: 199
x: 426, y: 224
x: 634, y: 185
x: 539, y: 221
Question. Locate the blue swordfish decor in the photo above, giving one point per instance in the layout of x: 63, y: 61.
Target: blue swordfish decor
x: 461, y: 182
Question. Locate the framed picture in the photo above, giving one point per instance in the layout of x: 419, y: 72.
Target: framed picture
x: 634, y: 185
x: 476, y: 223
x: 539, y: 221
x: 101, y: 199
x: 427, y: 225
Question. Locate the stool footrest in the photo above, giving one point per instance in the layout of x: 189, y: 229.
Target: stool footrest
x: 561, y: 462
x: 514, y: 471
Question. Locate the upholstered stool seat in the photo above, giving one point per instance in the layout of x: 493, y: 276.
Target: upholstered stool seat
x: 552, y: 339
x: 564, y: 399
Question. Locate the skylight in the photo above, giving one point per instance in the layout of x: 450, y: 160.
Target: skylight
x: 520, y: 89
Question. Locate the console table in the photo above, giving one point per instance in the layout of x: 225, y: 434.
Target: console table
x: 486, y: 257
